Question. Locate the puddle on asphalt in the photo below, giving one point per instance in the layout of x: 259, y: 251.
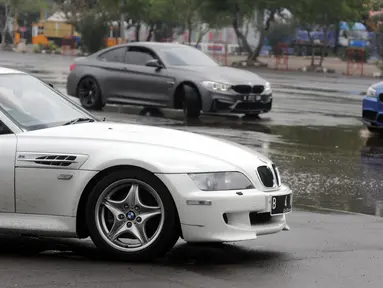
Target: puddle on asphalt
x: 338, y: 168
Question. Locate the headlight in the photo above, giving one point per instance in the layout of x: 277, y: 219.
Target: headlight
x: 267, y: 89
x: 216, y: 86
x: 221, y: 181
x: 371, y: 92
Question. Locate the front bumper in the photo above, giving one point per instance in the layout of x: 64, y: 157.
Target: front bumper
x: 230, y: 217
x: 372, y: 113
x: 248, y: 104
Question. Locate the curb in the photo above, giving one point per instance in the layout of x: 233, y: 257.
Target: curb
x: 44, y: 52
x: 378, y: 75
x: 317, y: 70
x: 305, y: 70
x: 320, y: 89
x: 311, y: 208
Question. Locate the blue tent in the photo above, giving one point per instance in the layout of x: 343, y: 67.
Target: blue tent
x: 356, y: 26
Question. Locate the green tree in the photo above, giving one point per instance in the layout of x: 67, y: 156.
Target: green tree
x: 326, y: 14
x: 74, y: 10
x: 200, y: 17
x: 374, y: 5
x: 90, y: 26
x: 11, y: 9
x: 131, y: 11
x: 239, y: 12
x: 161, y: 17
x: 259, y: 14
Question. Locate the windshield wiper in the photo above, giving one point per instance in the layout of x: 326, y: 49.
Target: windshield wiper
x: 78, y: 120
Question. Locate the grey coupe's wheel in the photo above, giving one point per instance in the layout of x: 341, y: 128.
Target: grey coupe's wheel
x: 89, y: 93
x: 375, y: 130
x: 131, y: 215
x: 252, y: 116
x: 191, y: 103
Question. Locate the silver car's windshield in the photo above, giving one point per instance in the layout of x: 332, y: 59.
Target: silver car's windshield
x: 32, y: 105
x: 187, y: 56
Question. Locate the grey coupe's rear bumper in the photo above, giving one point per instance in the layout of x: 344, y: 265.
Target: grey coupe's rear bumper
x: 71, y: 85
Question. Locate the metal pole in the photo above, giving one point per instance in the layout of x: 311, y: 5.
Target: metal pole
x: 122, y: 28
x: 15, y: 27
x: 122, y: 24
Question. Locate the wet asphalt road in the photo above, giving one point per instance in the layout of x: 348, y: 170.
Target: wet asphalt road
x: 321, y: 250
x: 325, y: 155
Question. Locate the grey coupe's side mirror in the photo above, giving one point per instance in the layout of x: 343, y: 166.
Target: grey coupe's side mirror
x: 48, y: 83
x: 154, y: 63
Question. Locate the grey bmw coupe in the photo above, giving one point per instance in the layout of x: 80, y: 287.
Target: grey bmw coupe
x: 166, y: 75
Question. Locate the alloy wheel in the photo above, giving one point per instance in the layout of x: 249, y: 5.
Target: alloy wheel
x: 129, y: 215
x: 88, y: 92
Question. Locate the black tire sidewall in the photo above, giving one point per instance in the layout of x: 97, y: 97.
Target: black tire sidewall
x: 191, y: 102
x: 165, y: 240
x: 373, y: 129
x: 98, y: 104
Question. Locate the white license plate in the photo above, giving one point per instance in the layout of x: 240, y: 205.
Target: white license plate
x: 252, y: 98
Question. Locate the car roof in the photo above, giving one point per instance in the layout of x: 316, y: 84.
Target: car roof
x: 4, y: 70
x: 150, y: 45
x: 155, y: 45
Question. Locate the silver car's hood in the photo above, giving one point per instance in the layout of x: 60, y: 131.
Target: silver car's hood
x: 228, y: 152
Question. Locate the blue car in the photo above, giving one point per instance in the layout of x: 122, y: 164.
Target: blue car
x: 372, y: 115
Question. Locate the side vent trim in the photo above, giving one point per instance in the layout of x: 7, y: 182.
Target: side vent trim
x: 56, y: 160
x: 51, y: 160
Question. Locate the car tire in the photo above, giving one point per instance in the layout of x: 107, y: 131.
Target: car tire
x: 191, y: 103
x: 253, y: 116
x: 127, y: 220
x: 89, y: 94
x: 375, y: 130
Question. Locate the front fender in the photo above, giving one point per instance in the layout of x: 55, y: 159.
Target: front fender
x: 156, y: 159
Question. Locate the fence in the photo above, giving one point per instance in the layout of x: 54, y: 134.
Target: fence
x: 282, y: 53
x: 355, y: 61
x: 219, y: 52
x: 67, y: 46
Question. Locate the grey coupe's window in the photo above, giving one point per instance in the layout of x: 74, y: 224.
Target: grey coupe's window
x: 187, y: 56
x: 137, y: 57
x: 32, y: 105
x: 115, y: 55
x: 4, y: 129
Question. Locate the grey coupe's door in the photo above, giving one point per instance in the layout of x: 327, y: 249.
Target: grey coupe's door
x: 147, y: 85
x: 112, y: 63
x: 8, y: 142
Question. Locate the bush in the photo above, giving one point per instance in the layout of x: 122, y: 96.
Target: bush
x: 43, y: 47
x: 51, y: 46
x: 93, y: 30
x: 36, y: 49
